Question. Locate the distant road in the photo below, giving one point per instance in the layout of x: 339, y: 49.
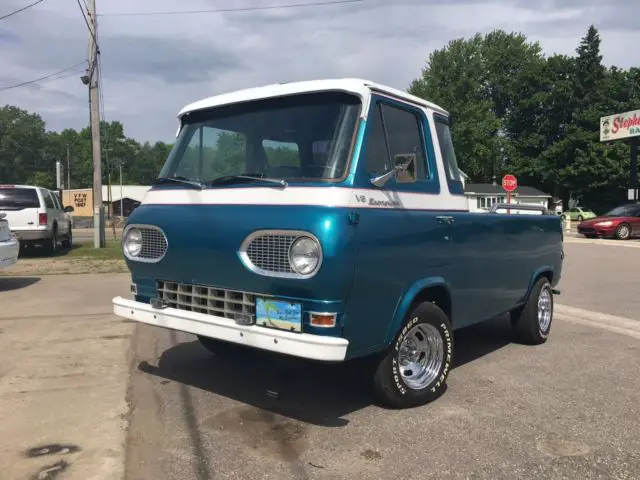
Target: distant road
x: 85, y: 235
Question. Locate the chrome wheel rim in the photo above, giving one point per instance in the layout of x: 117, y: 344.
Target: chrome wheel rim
x: 624, y: 231
x: 544, y: 309
x: 421, y: 356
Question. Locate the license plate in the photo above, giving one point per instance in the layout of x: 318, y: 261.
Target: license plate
x: 279, y: 314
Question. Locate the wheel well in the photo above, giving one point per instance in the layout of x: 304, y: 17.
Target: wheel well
x: 436, y: 294
x: 547, y: 274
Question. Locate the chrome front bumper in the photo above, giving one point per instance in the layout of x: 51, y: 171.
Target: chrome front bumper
x: 304, y: 345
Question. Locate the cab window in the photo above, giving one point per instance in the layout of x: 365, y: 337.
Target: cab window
x: 394, y: 133
x: 448, y: 155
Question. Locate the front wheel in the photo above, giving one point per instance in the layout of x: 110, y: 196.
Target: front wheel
x: 532, y: 323
x: 623, y: 232
x: 580, y: 218
x: 415, y: 369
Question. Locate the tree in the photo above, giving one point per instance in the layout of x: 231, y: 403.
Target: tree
x: 515, y: 110
x: 477, y: 80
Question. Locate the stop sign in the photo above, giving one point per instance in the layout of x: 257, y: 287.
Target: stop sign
x: 509, y: 183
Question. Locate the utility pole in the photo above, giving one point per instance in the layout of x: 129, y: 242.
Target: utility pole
x: 94, y: 96
x: 121, y: 202
x: 68, y: 169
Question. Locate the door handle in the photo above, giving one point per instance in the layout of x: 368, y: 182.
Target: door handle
x: 444, y: 219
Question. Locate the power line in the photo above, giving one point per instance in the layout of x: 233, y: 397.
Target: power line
x: 45, y: 77
x: 21, y: 9
x: 86, y: 21
x: 223, y: 10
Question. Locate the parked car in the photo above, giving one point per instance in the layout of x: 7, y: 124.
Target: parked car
x: 36, y: 216
x: 622, y: 223
x: 333, y: 225
x: 9, y: 246
x: 578, y: 213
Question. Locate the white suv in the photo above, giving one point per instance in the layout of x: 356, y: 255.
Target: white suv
x: 36, y: 216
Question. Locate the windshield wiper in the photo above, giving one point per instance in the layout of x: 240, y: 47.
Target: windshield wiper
x: 182, y: 180
x: 252, y: 178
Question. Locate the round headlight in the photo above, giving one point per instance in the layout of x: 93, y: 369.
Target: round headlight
x: 132, y: 242
x: 304, y: 255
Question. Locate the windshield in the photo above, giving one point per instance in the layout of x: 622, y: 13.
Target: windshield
x: 18, y: 198
x: 302, y: 137
x: 622, y: 211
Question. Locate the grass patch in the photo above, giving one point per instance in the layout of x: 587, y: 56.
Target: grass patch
x: 82, y: 258
x: 112, y: 251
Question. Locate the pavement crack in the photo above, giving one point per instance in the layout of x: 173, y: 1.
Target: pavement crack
x: 201, y: 465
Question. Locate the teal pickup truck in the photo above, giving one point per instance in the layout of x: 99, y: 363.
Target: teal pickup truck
x: 327, y: 220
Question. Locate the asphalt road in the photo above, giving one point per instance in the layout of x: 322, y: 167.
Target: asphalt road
x: 63, y: 378
x: 565, y: 410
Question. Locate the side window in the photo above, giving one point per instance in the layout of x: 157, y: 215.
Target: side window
x: 404, y: 135
x: 448, y: 155
x: 56, y: 201
x: 376, y: 149
x: 48, y: 201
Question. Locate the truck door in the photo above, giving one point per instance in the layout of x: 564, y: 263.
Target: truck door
x: 400, y: 239
x: 475, y: 289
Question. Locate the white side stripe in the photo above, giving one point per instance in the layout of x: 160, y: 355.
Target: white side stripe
x: 311, y: 196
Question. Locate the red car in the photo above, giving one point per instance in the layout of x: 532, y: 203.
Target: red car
x: 622, y: 222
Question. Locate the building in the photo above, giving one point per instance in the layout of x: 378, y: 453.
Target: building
x: 481, y: 196
x: 82, y: 199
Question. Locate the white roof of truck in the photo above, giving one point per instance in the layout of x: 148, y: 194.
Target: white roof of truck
x: 357, y: 86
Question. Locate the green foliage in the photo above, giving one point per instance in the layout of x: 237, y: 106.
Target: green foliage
x: 515, y: 110
x: 28, y: 153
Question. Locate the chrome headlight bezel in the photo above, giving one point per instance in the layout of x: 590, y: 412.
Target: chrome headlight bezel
x: 295, y: 235
x: 132, y: 247
x: 307, y: 248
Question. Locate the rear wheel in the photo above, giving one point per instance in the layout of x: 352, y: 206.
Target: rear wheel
x: 68, y: 241
x: 623, y: 232
x: 415, y: 369
x: 51, y: 245
x: 532, y: 323
x: 580, y: 218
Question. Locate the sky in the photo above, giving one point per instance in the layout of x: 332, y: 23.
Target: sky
x: 153, y: 65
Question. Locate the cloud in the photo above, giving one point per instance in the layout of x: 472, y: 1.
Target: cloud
x: 154, y: 65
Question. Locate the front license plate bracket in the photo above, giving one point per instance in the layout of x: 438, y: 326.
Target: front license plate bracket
x: 279, y: 314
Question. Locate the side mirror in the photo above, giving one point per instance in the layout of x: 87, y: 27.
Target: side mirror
x: 404, y: 170
x: 68, y: 209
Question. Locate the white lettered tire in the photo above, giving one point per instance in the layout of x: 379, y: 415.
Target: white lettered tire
x: 532, y: 322
x: 414, y: 370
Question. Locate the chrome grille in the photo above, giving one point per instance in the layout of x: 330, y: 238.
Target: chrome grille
x: 154, y: 244
x: 270, y: 252
x: 203, y: 299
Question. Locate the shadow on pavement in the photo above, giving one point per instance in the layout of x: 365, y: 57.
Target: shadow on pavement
x: 40, y: 252
x: 310, y: 392
x: 476, y: 341
x: 16, y: 283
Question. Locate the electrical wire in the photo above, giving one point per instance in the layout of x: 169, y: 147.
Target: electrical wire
x: 45, y: 77
x: 224, y: 10
x: 21, y: 9
x: 86, y: 21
